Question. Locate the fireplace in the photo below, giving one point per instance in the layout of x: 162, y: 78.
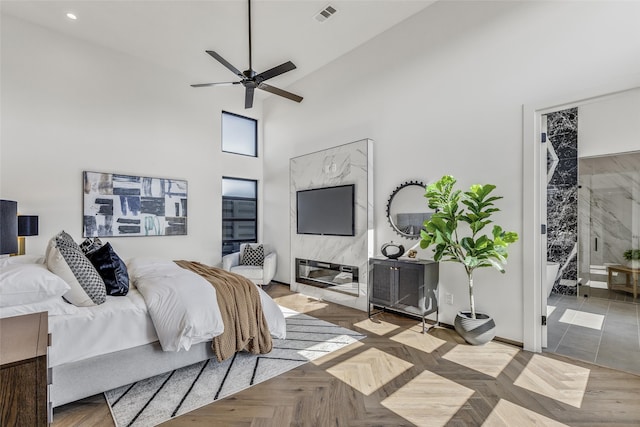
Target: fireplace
x: 335, y: 277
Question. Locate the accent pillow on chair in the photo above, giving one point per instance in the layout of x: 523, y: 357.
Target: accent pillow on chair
x: 256, y: 262
x: 253, y: 255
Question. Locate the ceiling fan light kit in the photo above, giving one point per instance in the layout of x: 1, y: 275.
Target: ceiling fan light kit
x: 252, y: 80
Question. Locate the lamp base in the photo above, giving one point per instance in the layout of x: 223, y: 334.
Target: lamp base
x: 21, y: 246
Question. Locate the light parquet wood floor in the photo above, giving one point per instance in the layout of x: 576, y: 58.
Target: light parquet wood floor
x: 400, y: 377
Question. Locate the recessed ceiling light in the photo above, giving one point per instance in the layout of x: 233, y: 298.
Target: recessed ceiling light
x: 71, y: 16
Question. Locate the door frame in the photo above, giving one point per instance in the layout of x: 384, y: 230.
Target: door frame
x: 534, y: 203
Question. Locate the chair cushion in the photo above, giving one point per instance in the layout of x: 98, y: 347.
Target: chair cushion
x: 251, y: 272
x: 253, y: 255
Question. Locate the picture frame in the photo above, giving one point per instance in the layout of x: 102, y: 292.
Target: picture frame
x: 116, y: 205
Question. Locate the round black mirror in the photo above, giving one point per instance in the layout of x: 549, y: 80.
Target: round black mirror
x: 407, y: 209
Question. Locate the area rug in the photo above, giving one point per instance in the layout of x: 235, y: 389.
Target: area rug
x: 155, y: 400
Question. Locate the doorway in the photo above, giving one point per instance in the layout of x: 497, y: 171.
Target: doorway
x: 593, y: 224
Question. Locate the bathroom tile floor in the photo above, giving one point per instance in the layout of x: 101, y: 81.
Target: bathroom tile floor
x: 601, y: 331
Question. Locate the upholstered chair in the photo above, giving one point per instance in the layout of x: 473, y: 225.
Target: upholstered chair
x: 258, y: 274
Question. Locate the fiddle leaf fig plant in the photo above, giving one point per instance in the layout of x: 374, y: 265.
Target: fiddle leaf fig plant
x: 465, y: 245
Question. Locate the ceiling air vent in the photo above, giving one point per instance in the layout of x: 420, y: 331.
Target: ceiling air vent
x: 325, y: 13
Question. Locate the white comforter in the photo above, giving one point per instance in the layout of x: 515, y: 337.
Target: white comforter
x: 183, y: 305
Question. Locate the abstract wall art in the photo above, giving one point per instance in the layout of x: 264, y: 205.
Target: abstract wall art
x: 126, y: 205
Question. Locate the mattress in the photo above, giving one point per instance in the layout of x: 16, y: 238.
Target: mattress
x: 120, y: 323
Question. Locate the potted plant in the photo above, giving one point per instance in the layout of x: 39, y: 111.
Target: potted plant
x: 465, y: 245
x: 633, y: 256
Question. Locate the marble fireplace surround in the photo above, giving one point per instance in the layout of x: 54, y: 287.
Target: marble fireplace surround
x: 350, y: 163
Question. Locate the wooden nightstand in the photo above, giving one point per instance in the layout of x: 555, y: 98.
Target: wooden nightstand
x: 23, y: 370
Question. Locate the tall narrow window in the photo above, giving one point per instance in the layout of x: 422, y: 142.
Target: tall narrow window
x: 239, y: 134
x: 239, y: 213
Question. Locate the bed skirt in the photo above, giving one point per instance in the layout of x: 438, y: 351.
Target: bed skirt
x: 77, y: 380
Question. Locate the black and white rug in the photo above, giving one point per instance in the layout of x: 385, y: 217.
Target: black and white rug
x: 158, y: 399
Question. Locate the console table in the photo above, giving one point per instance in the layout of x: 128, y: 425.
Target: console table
x: 24, y: 370
x: 631, y: 282
x: 403, y: 285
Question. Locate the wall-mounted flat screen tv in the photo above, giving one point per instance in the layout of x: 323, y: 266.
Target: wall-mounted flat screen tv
x: 326, y: 211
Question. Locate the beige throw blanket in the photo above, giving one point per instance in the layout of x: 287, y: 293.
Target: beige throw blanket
x: 245, y: 327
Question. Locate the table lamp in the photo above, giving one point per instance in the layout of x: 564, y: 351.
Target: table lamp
x: 27, y: 226
x: 8, y: 227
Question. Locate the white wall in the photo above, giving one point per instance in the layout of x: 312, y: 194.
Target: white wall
x: 442, y: 93
x: 610, y: 125
x: 70, y: 106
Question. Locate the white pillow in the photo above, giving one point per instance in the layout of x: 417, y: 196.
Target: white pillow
x: 28, y: 283
x: 21, y: 259
x: 138, y: 267
x: 56, y: 306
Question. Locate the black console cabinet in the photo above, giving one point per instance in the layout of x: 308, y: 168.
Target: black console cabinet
x: 409, y: 287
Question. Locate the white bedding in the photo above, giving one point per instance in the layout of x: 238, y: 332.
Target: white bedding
x: 183, y: 305
x: 121, y: 322
x: 124, y: 322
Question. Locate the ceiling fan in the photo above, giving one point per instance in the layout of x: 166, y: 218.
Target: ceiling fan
x: 250, y: 79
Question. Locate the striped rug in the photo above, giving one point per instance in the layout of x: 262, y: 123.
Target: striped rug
x: 158, y: 399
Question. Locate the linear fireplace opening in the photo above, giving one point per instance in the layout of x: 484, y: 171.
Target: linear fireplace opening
x: 327, y: 275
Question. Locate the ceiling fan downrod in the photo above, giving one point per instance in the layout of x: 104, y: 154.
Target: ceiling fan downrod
x: 250, y: 63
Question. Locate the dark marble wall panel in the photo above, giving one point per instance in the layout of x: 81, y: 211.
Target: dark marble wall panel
x: 562, y: 194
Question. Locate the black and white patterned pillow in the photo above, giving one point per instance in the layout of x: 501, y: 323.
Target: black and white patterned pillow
x: 253, y: 255
x: 90, y: 244
x: 66, y: 259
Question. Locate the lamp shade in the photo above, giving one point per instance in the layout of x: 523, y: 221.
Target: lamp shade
x: 8, y: 227
x: 27, y: 225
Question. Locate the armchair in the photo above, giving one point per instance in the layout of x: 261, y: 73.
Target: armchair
x: 260, y: 275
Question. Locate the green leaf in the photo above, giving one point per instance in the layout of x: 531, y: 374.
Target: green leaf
x: 510, y: 237
x: 468, y: 244
x: 496, y: 265
x: 471, y: 262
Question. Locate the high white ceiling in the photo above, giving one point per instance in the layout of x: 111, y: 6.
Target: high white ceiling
x: 175, y: 34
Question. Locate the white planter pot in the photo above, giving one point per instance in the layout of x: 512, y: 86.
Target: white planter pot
x: 476, y: 331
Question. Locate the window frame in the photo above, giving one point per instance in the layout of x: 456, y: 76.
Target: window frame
x: 255, y: 136
x: 254, y: 219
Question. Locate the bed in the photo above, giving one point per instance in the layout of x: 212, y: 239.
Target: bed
x: 126, y: 338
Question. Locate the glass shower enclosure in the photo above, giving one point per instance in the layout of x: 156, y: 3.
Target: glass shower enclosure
x: 609, y: 226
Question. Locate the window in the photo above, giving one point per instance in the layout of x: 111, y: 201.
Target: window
x: 239, y: 213
x: 239, y: 134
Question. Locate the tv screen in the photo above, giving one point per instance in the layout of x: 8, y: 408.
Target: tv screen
x: 326, y: 211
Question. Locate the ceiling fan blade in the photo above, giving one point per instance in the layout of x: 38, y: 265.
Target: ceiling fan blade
x: 276, y: 71
x: 215, y: 84
x: 281, y: 92
x: 224, y: 62
x: 248, y: 97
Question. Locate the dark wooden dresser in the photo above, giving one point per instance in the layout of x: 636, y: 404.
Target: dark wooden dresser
x: 23, y: 370
x: 406, y: 286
